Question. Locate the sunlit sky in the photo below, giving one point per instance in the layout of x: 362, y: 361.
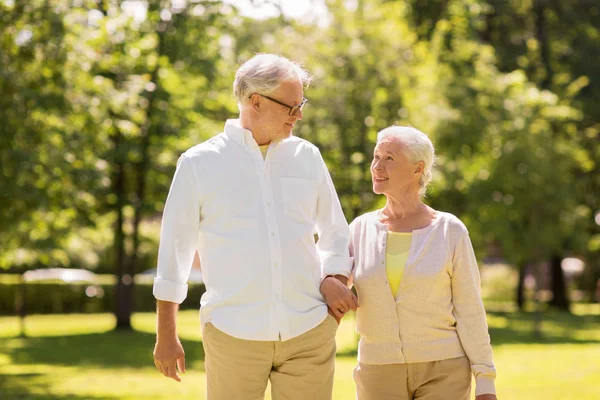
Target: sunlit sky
x: 312, y: 10
x: 291, y: 8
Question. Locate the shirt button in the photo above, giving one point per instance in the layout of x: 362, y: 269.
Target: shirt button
x: 273, y: 234
x: 269, y: 203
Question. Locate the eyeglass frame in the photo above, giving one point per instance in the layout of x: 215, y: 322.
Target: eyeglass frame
x: 298, y: 107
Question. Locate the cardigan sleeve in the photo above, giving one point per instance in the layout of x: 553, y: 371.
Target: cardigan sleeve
x: 352, y: 249
x: 470, y: 316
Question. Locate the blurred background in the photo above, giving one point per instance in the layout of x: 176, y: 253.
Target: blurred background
x: 98, y: 98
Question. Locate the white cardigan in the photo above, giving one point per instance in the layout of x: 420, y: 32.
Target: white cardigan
x: 438, y: 312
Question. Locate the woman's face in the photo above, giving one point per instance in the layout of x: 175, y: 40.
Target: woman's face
x: 391, y: 170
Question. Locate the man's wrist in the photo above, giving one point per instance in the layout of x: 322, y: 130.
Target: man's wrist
x: 167, y: 337
x: 339, y: 277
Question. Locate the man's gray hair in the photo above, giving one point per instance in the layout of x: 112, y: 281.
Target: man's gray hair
x: 263, y: 74
x: 418, y: 148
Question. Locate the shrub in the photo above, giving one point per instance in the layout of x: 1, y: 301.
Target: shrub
x: 58, y: 298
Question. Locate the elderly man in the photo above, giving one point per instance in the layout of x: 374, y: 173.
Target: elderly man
x: 250, y: 200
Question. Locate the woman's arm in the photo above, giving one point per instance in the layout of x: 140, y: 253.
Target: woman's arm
x: 469, y: 312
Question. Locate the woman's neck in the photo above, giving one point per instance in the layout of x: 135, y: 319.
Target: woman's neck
x: 406, y: 214
x: 403, y: 207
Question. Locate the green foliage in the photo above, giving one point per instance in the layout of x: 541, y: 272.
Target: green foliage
x: 60, y: 298
x: 97, y: 105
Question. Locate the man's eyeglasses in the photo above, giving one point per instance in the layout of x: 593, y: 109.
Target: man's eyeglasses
x: 294, y: 110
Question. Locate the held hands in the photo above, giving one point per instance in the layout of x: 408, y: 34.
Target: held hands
x: 486, y: 397
x: 169, y: 357
x: 338, y: 296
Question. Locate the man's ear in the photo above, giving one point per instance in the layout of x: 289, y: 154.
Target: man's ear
x: 255, y: 101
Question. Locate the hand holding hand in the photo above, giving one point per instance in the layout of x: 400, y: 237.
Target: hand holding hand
x: 339, y: 297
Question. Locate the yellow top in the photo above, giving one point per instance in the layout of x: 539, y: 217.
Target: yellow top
x: 396, y: 255
x: 263, y: 150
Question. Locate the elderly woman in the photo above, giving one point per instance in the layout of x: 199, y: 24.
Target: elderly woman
x: 421, y: 319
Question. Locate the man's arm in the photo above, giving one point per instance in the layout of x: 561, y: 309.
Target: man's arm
x: 169, y: 356
x: 178, y: 240
x: 334, y: 237
x: 178, y: 234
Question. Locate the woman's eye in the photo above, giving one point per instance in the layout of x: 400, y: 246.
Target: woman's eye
x: 376, y: 157
x: 390, y: 159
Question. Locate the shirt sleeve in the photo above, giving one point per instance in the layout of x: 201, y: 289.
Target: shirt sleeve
x: 352, y: 251
x: 332, y: 227
x: 179, y: 234
x: 470, y: 316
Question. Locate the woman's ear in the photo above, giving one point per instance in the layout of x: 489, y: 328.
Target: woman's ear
x: 419, y: 167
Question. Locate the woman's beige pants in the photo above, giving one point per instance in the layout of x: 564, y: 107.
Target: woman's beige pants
x: 435, y: 380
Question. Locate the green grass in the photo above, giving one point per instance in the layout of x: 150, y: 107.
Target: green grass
x: 80, y: 357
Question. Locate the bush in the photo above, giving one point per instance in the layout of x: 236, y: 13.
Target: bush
x: 499, y: 282
x: 59, y: 298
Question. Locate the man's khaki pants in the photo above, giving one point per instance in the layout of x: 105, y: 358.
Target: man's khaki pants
x: 300, y: 368
x: 435, y: 380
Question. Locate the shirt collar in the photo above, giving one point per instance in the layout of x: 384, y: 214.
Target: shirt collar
x: 234, y: 130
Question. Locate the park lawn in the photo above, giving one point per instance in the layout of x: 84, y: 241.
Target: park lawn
x: 80, y: 357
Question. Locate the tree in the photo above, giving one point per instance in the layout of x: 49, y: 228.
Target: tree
x: 41, y: 195
x: 155, y: 76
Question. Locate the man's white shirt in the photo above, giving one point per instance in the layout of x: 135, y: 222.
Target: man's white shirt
x: 253, y: 222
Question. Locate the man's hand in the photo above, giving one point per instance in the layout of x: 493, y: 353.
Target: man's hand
x: 486, y: 397
x: 168, y: 351
x: 338, y: 296
x: 169, y: 357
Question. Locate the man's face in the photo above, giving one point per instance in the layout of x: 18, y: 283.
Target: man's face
x: 275, y: 118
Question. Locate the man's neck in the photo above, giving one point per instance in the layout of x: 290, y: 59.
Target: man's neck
x: 259, y: 136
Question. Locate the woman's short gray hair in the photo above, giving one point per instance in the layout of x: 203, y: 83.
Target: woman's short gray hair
x: 418, y: 148
x: 263, y: 74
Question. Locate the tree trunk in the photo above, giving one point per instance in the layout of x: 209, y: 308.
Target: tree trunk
x: 540, y: 24
x: 126, y: 286
x: 538, y: 313
x: 560, y: 298
x: 521, y: 287
x: 123, y: 293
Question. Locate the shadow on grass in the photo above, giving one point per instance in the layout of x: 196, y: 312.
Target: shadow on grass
x: 115, y: 349
x: 555, y: 328
x: 519, y: 328
x: 25, y: 390
x: 36, y: 386
x: 110, y: 350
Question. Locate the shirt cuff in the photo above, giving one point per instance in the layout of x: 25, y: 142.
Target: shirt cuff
x: 169, y: 291
x: 484, y: 385
x: 337, y: 266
